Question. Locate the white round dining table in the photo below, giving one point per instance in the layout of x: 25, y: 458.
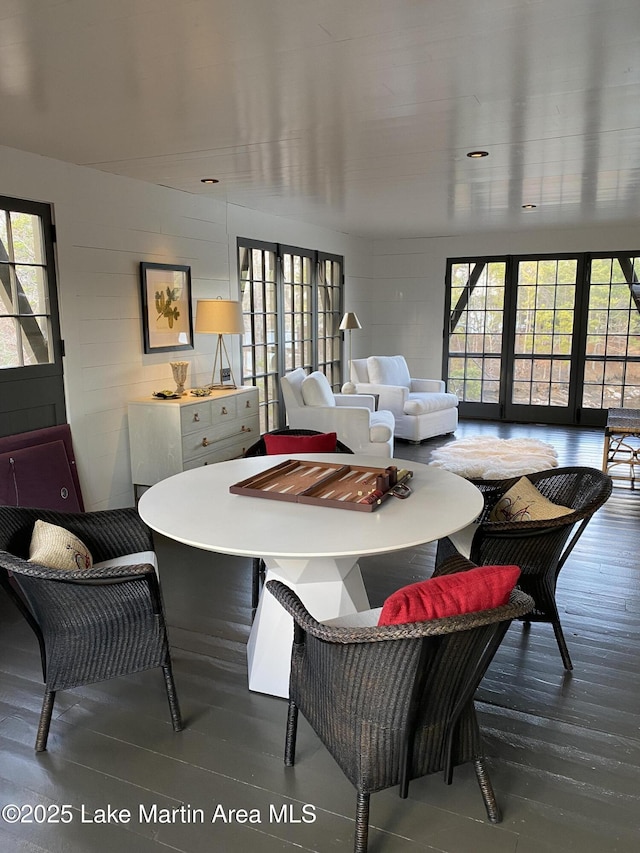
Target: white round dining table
x: 313, y: 549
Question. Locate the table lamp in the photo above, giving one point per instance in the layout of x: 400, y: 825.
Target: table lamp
x: 348, y: 323
x: 220, y: 317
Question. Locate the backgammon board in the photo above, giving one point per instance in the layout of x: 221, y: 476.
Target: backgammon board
x: 356, y: 487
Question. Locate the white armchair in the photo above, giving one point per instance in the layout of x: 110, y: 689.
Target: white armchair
x: 311, y: 404
x: 421, y: 407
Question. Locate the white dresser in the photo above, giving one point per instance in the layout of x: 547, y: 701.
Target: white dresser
x: 170, y: 436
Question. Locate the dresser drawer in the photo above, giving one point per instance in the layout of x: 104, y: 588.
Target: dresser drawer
x: 232, y: 448
x: 223, y: 410
x: 247, y: 404
x: 197, y: 444
x: 193, y: 418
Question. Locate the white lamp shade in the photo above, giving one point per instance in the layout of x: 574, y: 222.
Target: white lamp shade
x: 349, y: 321
x: 219, y: 317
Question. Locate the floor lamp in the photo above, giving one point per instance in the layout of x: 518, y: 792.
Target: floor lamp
x: 220, y: 317
x: 347, y: 324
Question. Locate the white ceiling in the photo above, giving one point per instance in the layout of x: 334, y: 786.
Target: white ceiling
x: 350, y: 114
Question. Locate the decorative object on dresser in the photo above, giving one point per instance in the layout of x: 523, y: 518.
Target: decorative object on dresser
x: 169, y: 436
x: 347, y: 324
x: 311, y: 404
x: 179, y: 370
x: 220, y: 317
x: 421, y: 407
x: 167, y: 320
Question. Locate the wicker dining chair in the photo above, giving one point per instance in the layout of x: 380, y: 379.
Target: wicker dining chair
x: 259, y: 448
x: 394, y: 703
x: 91, y: 624
x: 540, y: 548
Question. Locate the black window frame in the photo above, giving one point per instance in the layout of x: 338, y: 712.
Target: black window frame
x: 272, y: 411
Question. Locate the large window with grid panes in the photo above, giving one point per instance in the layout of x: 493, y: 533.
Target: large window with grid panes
x: 553, y: 339
x: 292, y: 305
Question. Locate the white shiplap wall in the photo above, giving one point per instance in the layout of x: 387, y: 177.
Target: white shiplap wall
x: 105, y: 226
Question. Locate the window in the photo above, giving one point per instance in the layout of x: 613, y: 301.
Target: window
x: 292, y: 303
x: 476, y: 327
x: 25, y: 315
x: 544, y: 338
x: 612, y: 363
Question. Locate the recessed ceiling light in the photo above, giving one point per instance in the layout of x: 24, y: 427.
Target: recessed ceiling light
x: 529, y: 206
x: 209, y: 180
x: 476, y: 155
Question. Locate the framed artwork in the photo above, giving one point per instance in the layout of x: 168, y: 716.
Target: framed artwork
x: 167, y: 320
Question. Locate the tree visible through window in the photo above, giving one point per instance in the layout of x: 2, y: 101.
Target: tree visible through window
x: 25, y: 332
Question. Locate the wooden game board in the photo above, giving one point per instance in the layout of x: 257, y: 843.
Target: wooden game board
x: 356, y: 487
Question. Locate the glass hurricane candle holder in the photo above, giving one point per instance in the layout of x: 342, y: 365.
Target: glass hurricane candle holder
x: 179, y: 370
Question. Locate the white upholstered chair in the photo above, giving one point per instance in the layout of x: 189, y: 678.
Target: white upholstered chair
x: 311, y: 404
x: 421, y: 407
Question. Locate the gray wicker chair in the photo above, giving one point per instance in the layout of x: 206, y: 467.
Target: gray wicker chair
x: 91, y: 624
x: 259, y: 448
x: 540, y: 548
x: 394, y: 703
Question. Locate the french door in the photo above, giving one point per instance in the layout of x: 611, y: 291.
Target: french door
x: 292, y: 303
x: 544, y: 339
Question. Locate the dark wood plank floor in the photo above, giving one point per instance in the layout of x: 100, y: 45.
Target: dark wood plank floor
x: 564, y: 750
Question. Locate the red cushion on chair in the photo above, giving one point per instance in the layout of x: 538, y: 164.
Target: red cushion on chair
x: 324, y: 442
x: 450, y: 595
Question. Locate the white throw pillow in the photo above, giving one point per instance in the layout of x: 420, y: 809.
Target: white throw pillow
x: 316, y: 390
x: 388, y: 370
x: 57, y: 548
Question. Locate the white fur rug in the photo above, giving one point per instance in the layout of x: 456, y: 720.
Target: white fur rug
x: 487, y: 458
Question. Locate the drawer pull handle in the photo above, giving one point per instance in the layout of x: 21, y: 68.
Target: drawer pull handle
x: 247, y: 405
x: 245, y: 429
x: 196, y: 417
x: 205, y: 442
x: 224, y: 411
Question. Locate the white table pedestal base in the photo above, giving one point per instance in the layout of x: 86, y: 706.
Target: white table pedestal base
x: 328, y: 587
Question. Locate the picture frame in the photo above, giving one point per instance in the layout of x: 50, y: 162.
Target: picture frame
x: 167, y: 316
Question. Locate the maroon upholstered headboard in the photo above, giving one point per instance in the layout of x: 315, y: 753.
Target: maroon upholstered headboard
x: 38, y: 468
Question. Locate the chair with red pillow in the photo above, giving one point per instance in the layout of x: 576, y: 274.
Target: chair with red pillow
x: 394, y: 702
x: 287, y: 440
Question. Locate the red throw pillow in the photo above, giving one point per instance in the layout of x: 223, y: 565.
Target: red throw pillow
x: 324, y: 442
x: 450, y: 595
